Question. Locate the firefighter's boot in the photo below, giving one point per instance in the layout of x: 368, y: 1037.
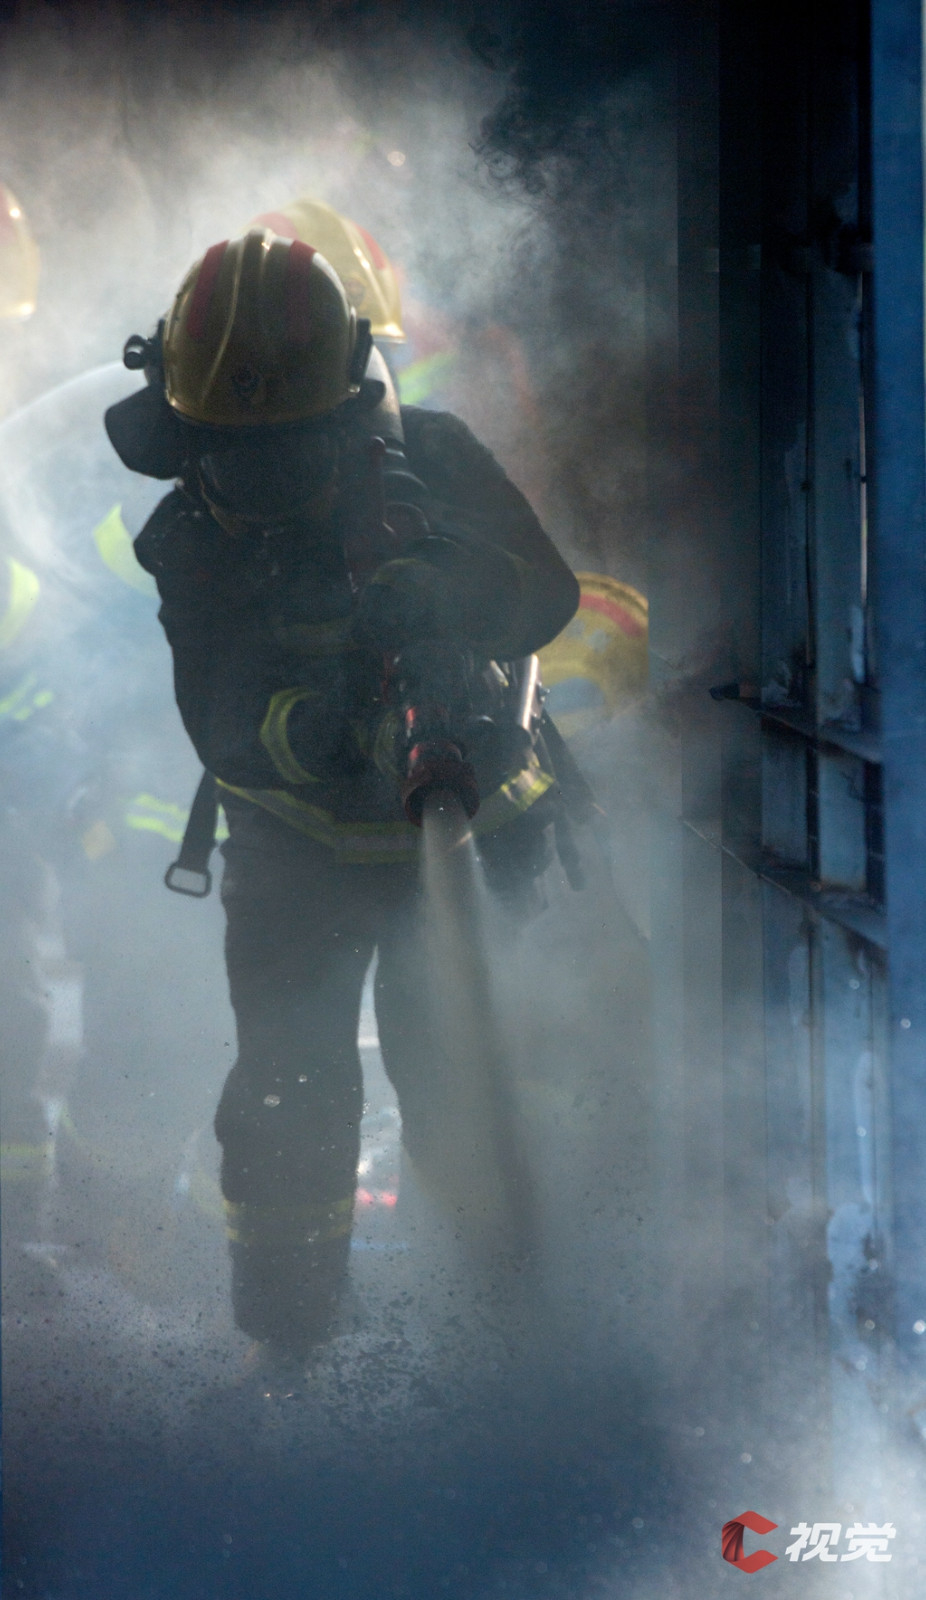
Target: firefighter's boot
x: 289, y: 1271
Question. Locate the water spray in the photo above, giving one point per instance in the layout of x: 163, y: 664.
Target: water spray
x: 446, y: 735
x: 483, y: 1173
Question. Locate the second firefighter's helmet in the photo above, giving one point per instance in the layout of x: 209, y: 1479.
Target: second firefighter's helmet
x: 368, y: 276
x: 597, y: 667
x: 260, y: 333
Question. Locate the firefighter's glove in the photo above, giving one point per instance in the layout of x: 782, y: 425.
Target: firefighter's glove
x: 406, y: 601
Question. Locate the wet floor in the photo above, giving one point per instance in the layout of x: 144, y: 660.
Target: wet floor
x: 437, y: 1445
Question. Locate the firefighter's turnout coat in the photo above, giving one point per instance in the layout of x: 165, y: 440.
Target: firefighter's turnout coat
x: 278, y: 700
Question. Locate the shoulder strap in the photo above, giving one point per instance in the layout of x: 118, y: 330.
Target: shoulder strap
x: 190, y: 874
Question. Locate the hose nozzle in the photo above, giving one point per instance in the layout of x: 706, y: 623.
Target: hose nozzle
x: 434, y: 763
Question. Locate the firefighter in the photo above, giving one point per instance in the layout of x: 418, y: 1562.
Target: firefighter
x: 283, y: 616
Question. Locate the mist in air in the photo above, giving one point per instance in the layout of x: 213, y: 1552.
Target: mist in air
x: 528, y: 1420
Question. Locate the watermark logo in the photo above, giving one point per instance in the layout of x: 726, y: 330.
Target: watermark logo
x: 868, y: 1540
x: 731, y: 1541
x: 815, y: 1541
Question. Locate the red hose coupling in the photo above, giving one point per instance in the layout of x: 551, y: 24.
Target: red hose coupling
x: 433, y: 766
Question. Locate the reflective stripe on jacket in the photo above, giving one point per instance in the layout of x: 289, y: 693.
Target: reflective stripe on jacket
x: 377, y: 843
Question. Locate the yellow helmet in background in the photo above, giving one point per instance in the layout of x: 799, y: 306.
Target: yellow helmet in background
x: 598, y: 665
x: 19, y: 260
x: 260, y: 333
x: 366, y: 272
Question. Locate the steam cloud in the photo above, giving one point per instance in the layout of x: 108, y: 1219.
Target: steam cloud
x: 531, y: 214
x: 135, y: 140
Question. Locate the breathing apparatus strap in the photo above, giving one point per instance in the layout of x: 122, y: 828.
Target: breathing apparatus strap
x: 190, y: 874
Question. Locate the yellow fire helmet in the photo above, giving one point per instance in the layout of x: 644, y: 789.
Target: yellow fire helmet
x: 597, y: 666
x: 365, y: 270
x: 260, y: 333
x: 19, y: 260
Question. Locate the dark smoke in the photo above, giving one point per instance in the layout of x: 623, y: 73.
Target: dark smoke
x: 554, y: 131
x: 576, y: 132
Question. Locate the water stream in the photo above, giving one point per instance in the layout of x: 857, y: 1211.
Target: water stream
x: 484, y: 1175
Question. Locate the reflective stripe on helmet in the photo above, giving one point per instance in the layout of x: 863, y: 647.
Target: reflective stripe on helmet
x: 621, y: 616
x: 274, y: 735
x: 21, y: 601
x: 378, y: 843
x: 114, y: 542
x: 298, y: 292
x: 313, y: 1222
x: 205, y: 288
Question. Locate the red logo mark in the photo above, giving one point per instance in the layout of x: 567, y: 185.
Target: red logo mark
x: 731, y: 1541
